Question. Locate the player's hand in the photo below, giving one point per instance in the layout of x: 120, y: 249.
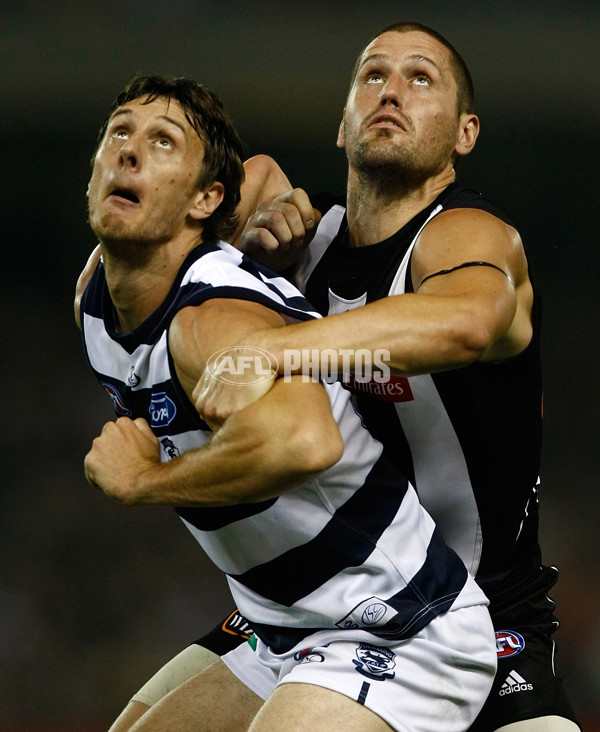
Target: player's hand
x: 286, y: 224
x: 120, y: 457
x: 218, y: 394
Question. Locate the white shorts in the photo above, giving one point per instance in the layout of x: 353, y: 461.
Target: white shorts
x: 436, y: 680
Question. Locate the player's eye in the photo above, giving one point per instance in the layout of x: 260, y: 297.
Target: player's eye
x: 421, y: 80
x: 374, y: 77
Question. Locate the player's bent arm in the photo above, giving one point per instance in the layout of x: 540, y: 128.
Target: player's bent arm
x: 263, y: 181
x: 454, y: 319
x: 279, y: 230
x: 260, y: 452
x: 464, y: 242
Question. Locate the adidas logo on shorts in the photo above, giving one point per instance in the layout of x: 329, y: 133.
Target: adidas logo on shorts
x: 514, y: 682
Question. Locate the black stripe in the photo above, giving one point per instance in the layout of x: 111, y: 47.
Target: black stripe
x: 418, y: 604
x: 429, y: 593
x: 346, y: 541
x: 216, y: 517
x: 296, y: 306
x: 364, y: 690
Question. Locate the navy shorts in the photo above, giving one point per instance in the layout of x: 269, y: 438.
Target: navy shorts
x: 527, y: 684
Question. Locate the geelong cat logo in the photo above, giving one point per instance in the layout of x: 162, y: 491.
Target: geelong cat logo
x: 375, y: 662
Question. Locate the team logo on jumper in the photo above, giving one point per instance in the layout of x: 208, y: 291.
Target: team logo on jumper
x: 393, y: 389
x: 509, y: 643
x: 120, y: 407
x: 162, y: 410
x: 372, y: 612
x: 309, y: 655
x: 375, y: 662
x: 514, y: 683
x: 170, y: 448
x: 133, y: 379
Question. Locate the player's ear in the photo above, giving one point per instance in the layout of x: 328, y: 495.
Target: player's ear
x: 468, y: 132
x: 341, y: 138
x: 206, y: 201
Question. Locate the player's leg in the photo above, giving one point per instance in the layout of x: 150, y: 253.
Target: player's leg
x: 224, y: 637
x: 129, y: 716
x: 542, y: 724
x: 212, y: 701
x: 186, y: 664
x: 305, y: 708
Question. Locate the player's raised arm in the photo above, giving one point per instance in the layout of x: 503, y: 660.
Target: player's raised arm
x: 280, y: 229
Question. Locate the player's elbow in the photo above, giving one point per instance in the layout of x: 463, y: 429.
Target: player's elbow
x: 473, y: 337
x: 320, y: 449
x: 264, y: 171
x: 309, y: 450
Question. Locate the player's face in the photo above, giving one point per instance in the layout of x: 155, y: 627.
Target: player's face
x: 402, y: 106
x: 145, y: 174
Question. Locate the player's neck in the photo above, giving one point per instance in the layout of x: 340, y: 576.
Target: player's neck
x: 376, y: 213
x: 139, y: 278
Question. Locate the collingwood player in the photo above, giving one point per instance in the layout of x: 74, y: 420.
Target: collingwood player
x: 412, y: 261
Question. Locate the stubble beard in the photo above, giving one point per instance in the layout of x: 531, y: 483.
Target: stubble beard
x: 389, y: 170
x: 119, y: 235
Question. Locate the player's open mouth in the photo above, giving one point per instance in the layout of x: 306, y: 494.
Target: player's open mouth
x: 386, y: 120
x: 127, y: 195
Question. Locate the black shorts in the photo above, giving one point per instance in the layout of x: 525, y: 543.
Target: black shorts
x: 527, y: 685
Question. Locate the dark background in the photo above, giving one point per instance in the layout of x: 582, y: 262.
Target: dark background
x: 93, y: 596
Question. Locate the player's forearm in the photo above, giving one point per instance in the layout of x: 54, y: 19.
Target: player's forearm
x: 260, y: 452
x: 422, y: 334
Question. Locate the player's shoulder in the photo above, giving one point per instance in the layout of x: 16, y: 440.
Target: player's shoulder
x: 458, y: 196
x: 466, y: 212
x: 469, y: 229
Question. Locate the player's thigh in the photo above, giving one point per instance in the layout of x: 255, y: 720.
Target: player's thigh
x: 212, y: 701
x: 129, y: 716
x: 305, y: 708
x: 542, y: 724
x: 189, y: 662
